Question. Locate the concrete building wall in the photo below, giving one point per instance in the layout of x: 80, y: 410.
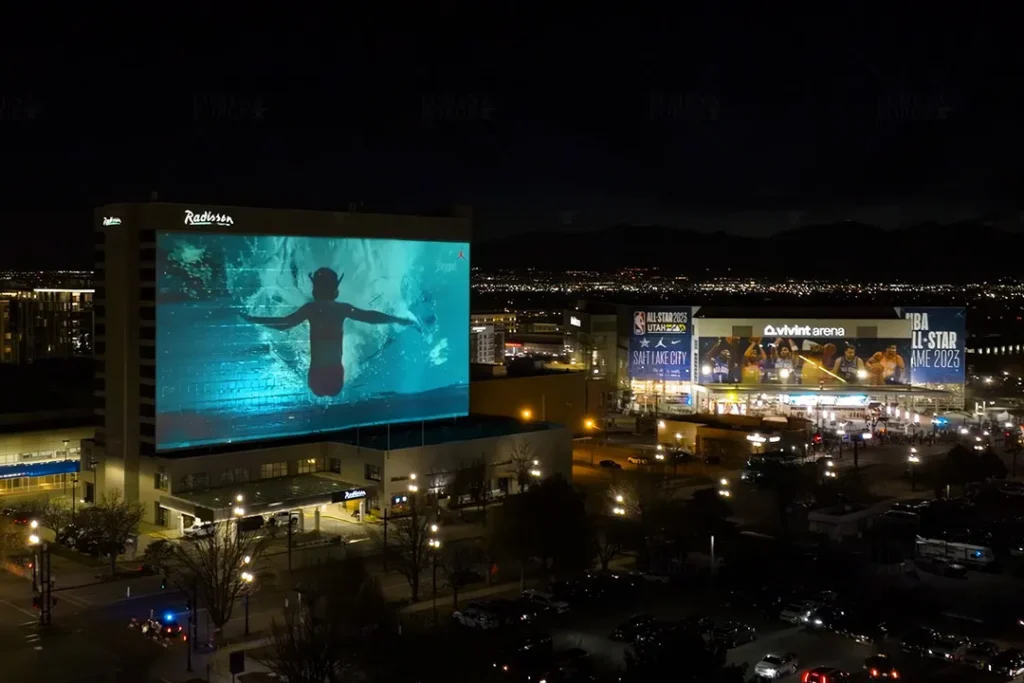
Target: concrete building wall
x: 561, y: 398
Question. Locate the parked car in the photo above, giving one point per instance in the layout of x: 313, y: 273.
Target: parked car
x: 979, y: 654
x: 825, y: 674
x: 942, y: 567
x: 547, y: 601
x: 200, y: 530
x: 863, y: 630
x: 948, y: 647
x: 797, y: 612
x: 283, y: 518
x: 610, y: 464
x: 880, y: 666
x: 919, y: 640
x: 627, y: 631
x: 776, y: 666
x: 476, y: 617
x: 733, y: 634
x: 825, y: 617
x: 1008, y: 663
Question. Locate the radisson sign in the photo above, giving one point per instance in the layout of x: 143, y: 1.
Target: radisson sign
x: 803, y: 331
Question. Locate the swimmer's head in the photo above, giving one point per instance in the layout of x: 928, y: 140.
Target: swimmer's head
x: 325, y: 284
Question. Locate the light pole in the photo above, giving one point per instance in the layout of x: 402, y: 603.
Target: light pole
x: 74, y: 496
x: 33, y: 540
x: 912, y: 461
x: 589, y: 425
x: 64, y: 476
x: 435, y: 548
x: 247, y: 579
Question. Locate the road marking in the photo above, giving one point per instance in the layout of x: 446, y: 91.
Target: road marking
x: 80, y: 602
x: 23, y: 611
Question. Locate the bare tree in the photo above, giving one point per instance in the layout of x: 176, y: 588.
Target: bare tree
x: 214, y: 565
x: 613, y: 536
x: 406, y: 546
x: 523, y: 464
x: 454, y: 563
x: 114, y: 521
x: 55, y: 514
x: 331, y: 636
x: 12, y: 537
x: 473, y: 481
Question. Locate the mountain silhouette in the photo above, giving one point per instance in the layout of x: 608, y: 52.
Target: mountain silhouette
x: 929, y: 252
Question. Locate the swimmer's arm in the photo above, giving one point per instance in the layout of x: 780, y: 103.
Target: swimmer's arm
x: 376, y: 317
x: 286, y: 323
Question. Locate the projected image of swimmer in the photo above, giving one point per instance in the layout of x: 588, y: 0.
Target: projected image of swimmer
x: 326, y: 318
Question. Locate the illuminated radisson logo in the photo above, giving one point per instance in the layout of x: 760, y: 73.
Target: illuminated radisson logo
x: 111, y: 220
x: 803, y: 331
x: 208, y: 218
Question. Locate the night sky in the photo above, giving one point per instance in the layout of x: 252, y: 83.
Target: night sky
x: 713, y: 120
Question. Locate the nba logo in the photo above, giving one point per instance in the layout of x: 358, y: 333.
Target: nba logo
x: 639, y: 323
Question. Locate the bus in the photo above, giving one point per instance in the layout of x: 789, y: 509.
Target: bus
x: 968, y: 554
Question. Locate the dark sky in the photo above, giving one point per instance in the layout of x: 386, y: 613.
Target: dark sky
x: 711, y: 120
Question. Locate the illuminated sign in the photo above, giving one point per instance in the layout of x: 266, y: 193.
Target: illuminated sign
x: 479, y: 329
x: 355, y: 494
x: 208, y: 218
x: 574, y: 321
x: 803, y: 331
x: 937, y: 345
x: 111, y: 220
x: 660, y: 322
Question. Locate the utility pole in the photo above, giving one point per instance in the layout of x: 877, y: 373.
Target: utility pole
x: 45, y: 587
x: 289, y: 543
x: 385, y: 561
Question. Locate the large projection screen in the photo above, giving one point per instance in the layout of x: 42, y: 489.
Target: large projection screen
x: 262, y: 337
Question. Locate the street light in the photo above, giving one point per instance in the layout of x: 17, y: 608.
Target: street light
x: 239, y: 511
x: 619, y: 511
x: 247, y: 579
x: 535, y: 473
x: 239, y: 498
x: 620, y: 499
x: 33, y: 539
x: 661, y: 424
x: 724, y: 490
x: 435, y: 546
x: 526, y: 413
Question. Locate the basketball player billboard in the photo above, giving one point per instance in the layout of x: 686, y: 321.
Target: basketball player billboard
x: 806, y: 361
x: 938, y: 340
x: 261, y: 336
x: 659, y: 347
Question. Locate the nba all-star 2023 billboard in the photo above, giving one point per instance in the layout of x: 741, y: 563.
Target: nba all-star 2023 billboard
x: 263, y: 336
x: 938, y: 338
x: 659, y: 347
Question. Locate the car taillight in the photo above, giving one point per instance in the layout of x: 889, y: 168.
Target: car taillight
x: 874, y: 672
x: 807, y: 674
x: 895, y: 674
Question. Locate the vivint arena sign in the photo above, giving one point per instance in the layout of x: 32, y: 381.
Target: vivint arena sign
x: 802, y: 331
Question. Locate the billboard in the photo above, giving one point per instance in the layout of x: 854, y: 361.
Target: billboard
x: 806, y: 361
x: 937, y: 344
x: 259, y: 336
x: 659, y: 346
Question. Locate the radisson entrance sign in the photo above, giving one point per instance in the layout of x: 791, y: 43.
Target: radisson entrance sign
x: 802, y: 331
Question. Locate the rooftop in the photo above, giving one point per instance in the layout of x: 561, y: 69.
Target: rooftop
x: 263, y: 496
x: 404, y: 435
x: 800, y: 312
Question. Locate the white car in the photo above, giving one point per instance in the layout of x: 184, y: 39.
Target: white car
x: 474, y: 617
x: 546, y: 601
x: 638, y: 460
x: 200, y: 530
x: 777, y: 666
x: 797, y: 612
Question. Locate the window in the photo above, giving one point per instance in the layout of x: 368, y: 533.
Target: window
x: 196, y: 480
x: 90, y: 492
x: 335, y: 465
x: 160, y: 515
x: 311, y: 465
x: 235, y: 475
x: 161, y: 481
x: 372, y: 472
x: 269, y: 470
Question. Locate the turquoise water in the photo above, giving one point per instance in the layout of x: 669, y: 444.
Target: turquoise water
x: 222, y: 377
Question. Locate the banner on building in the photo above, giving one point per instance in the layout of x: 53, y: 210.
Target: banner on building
x: 938, y: 338
x: 659, y: 347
